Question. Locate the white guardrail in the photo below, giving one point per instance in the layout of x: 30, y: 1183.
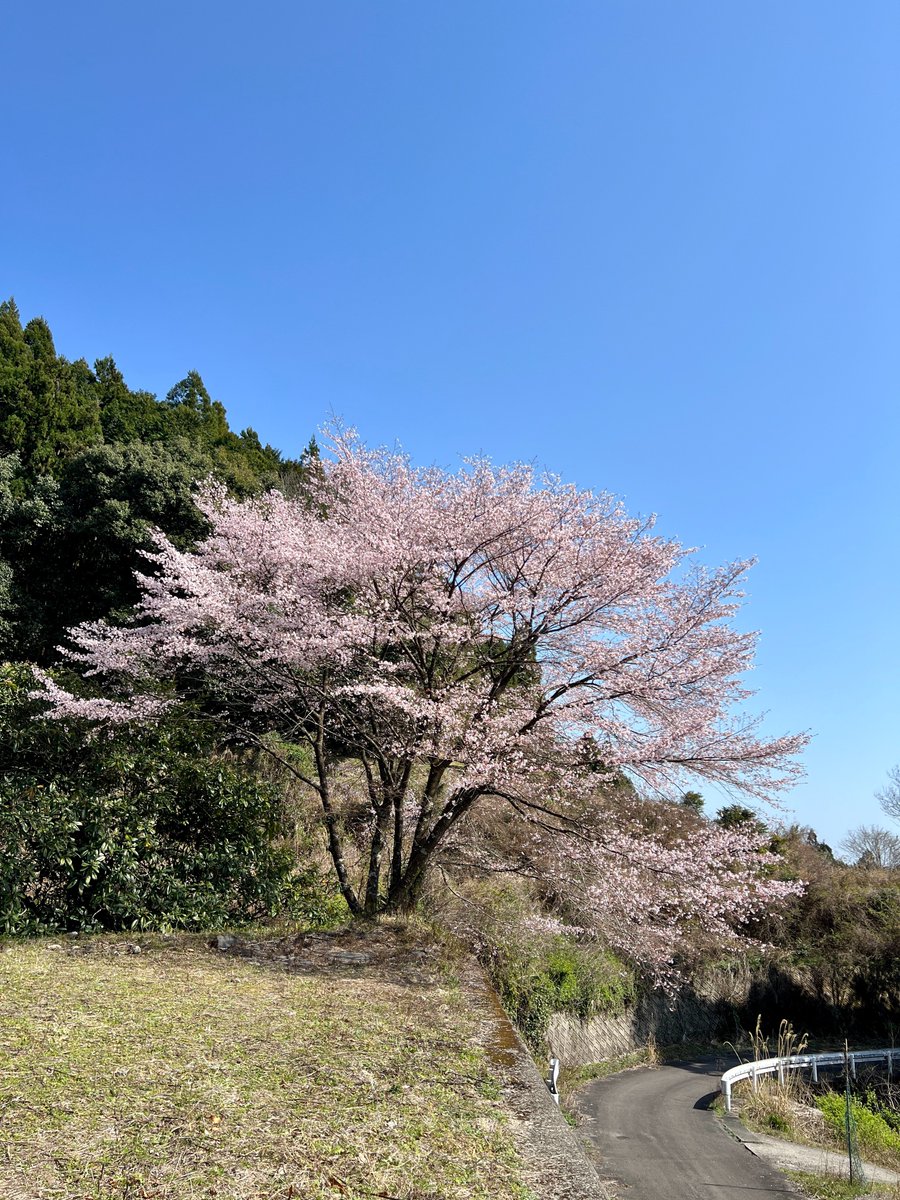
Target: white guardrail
x: 796, y: 1062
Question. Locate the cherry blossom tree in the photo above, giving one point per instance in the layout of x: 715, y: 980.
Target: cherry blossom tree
x: 451, y: 639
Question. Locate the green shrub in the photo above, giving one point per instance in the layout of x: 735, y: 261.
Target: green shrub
x: 559, y: 975
x: 146, y: 828
x: 873, y: 1131
x: 538, y: 974
x: 883, y: 1106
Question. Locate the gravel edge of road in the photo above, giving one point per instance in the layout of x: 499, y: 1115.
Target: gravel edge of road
x: 794, y: 1156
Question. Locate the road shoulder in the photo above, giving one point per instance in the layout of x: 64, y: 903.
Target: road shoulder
x: 793, y: 1156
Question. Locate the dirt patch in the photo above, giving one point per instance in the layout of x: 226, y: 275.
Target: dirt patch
x: 389, y: 953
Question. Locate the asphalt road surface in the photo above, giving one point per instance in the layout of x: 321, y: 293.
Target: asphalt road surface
x: 654, y: 1133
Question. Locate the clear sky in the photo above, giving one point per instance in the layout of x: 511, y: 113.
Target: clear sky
x: 654, y: 246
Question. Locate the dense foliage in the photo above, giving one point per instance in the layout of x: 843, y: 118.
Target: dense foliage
x: 155, y: 828
x: 148, y: 830
x: 52, y: 409
x: 87, y: 467
x: 875, y: 1126
x: 834, y: 968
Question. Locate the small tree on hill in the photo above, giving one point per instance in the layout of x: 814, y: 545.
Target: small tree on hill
x: 693, y: 801
x: 889, y: 795
x: 450, y: 640
x: 873, y: 847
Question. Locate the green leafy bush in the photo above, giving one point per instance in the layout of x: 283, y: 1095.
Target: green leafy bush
x: 874, y: 1132
x: 538, y: 974
x: 559, y: 975
x: 137, y: 829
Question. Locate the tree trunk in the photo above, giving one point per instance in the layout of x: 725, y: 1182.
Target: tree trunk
x: 404, y: 895
x: 376, y: 848
x: 330, y: 817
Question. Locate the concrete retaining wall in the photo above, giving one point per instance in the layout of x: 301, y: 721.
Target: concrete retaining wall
x: 688, y: 1018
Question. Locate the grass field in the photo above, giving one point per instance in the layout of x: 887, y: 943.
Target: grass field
x: 181, y: 1072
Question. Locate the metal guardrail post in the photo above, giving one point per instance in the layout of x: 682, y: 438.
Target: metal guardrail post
x: 553, y: 1078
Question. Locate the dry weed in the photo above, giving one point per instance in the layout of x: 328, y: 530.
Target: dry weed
x: 179, y: 1072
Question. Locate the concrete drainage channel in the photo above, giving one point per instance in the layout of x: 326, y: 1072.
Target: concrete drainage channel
x: 547, y: 1142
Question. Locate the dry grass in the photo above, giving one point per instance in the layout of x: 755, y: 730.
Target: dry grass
x: 792, y: 1107
x: 180, y: 1072
x: 830, y: 1187
x: 779, y: 1105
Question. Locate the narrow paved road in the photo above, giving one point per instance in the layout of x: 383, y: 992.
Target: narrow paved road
x: 655, y: 1134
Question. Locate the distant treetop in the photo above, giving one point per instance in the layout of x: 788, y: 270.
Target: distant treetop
x: 52, y: 409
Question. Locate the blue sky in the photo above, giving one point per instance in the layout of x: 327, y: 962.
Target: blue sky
x: 652, y: 246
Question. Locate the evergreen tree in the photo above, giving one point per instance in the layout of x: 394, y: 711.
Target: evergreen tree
x: 87, y: 467
x: 71, y: 545
x: 48, y: 406
x: 126, y: 416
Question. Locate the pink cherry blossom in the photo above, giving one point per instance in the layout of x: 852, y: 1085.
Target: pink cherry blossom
x: 444, y: 637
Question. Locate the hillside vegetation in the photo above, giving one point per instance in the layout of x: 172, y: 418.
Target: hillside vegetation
x: 208, y: 817
x: 87, y: 466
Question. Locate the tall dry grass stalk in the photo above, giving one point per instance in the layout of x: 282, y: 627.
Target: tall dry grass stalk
x: 778, y: 1101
